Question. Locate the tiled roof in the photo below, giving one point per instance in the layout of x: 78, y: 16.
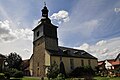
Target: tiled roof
x: 100, y: 63
x: 111, y: 61
x: 115, y: 63
x: 70, y: 52
x: 118, y: 56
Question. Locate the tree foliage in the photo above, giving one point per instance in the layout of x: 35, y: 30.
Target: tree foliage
x: 62, y: 68
x: 53, y: 70
x: 18, y: 74
x: 60, y: 76
x: 14, y: 61
x: 82, y: 72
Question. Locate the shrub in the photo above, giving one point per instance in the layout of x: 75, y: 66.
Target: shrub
x: 7, y: 75
x: 2, y: 77
x: 77, y: 72
x: 60, y: 77
x: 82, y: 72
x: 53, y: 71
x: 18, y: 74
x: 89, y: 71
x: 11, y: 71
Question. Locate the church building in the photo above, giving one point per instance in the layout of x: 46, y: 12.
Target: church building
x: 46, y: 50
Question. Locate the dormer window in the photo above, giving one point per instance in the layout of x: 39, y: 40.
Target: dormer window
x: 37, y: 33
x: 82, y: 53
x: 66, y: 51
x: 75, y: 52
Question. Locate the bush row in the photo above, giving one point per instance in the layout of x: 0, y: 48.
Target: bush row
x: 81, y: 72
x: 13, y: 73
x: 2, y: 77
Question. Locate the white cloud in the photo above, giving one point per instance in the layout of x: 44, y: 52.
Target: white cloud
x: 66, y: 19
x: 61, y: 16
x: 35, y: 22
x: 100, y: 43
x: 4, y: 27
x: 86, y: 28
x: 103, y: 49
x: 7, y: 34
x: 91, y: 23
x: 27, y: 50
x: 60, y: 43
x: 15, y: 40
x: 24, y: 33
x: 85, y: 47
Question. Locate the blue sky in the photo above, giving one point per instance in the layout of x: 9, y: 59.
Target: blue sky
x: 91, y: 25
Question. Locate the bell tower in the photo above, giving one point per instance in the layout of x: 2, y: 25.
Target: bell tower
x: 46, y: 30
x: 45, y: 38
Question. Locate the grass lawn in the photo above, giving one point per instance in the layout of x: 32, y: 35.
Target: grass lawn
x: 30, y: 78
x: 96, y: 78
x: 26, y: 78
x: 107, y: 78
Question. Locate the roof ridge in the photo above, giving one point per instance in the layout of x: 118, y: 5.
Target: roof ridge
x: 71, y: 48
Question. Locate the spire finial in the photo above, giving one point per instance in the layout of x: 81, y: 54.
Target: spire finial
x: 45, y: 13
x: 45, y: 10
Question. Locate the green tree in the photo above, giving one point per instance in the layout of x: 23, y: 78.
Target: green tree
x: 14, y: 61
x: 53, y: 71
x: 62, y: 68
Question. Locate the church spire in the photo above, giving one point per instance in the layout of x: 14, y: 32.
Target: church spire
x: 45, y: 11
x: 45, y: 15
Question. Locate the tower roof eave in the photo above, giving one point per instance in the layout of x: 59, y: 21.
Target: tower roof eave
x: 41, y: 23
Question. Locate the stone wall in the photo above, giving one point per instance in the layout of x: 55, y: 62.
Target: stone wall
x: 39, y: 57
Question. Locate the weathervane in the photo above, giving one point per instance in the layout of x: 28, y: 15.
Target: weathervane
x: 44, y: 3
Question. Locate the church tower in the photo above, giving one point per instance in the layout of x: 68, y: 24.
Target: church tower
x: 45, y: 38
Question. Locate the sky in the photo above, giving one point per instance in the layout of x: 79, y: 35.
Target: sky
x: 90, y: 25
